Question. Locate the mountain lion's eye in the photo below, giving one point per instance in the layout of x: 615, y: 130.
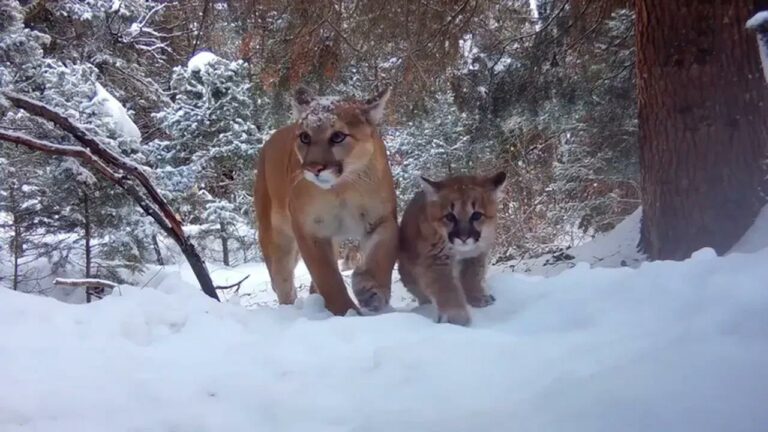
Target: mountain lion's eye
x: 476, y: 216
x: 338, y: 137
x: 305, y: 138
x: 450, y: 218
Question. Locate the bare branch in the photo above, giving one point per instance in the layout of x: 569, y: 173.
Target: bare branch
x: 343, y: 37
x: 58, y: 150
x: 236, y: 284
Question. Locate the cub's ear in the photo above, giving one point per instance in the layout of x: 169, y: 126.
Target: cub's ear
x: 302, y: 97
x: 430, y: 188
x: 375, y: 106
x: 496, y: 181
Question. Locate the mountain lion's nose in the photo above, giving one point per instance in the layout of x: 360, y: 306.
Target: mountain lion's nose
x: 315, y: 168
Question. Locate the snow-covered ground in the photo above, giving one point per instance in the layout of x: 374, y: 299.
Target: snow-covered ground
x: 617, y: 248
x: 663, y: 347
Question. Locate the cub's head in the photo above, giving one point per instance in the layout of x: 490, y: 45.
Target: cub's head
x: 335, y: 137
x: 463, y: 210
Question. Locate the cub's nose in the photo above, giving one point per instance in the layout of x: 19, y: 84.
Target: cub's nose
x: 315, y: 168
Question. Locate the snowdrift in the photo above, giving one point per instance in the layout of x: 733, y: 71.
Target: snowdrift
x: 664, y: 347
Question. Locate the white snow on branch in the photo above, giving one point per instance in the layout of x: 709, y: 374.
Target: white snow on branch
x: 85, y: 283
x: 112, y: 108
x: 760, y: 19
x: 201, y: 60
x: 759, y: 24
x: 116, y: 5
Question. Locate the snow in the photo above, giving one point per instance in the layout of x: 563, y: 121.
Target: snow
x: 616, y: 248
x: 256, y: 291
x: 116, y: 5
x: 85, y: 282
x: 758, y: 20
x: 320, y: 111
x: 759, y: 24
x: 756, y: 238
x: 665, y: 346
x: 200, y: 60
x: 534, y: 9
x: 112, y: 108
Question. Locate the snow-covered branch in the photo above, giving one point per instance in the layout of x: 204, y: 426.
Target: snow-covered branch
x: 58, y: 150
x: 108, y: 156
x: 117, y: 169
x: 85, y: 283
x: 142, y: 36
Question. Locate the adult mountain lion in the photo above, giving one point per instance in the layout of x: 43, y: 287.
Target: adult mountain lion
x: 322, y: 179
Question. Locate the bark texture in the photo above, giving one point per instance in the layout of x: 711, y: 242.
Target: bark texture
x: 703, y: 120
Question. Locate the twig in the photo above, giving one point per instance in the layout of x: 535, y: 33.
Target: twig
x: 236, y: 284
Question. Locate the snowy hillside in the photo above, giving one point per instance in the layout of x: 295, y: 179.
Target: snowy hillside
x: 616, y: 248
x: 665, y: 347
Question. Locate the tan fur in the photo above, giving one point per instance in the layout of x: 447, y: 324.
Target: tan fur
x: 296, y: 216
x: 434, y: 269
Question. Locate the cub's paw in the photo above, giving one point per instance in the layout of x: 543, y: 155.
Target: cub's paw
x: 481, y: 301
x: 458, y: 316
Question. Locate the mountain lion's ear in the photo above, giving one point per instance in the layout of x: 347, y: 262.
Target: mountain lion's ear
x: 375, y: 105
x: 430, y: 187
x: 496, y: 181
x: 302, y: 98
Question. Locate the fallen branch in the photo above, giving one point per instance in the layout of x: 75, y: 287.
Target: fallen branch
x: 85, y: 283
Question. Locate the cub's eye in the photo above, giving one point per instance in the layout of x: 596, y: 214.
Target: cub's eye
x: 305, y: 138
x: 450, y: 218
x: 338, y: 137
x: 476, y: 216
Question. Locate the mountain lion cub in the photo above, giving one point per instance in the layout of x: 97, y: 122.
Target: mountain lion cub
x: 447, y: 230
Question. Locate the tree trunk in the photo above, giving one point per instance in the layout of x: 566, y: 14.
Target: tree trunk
x: 17, y: 233
x: 89, y: 290
x: 703, y: 107
x: 158, y: 252
x: 224, y: 243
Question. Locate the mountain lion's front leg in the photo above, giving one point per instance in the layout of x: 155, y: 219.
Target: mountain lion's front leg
x: 320, y: 259
x: 472, y: 275
x: 439, y: 281
x: 372, y: 279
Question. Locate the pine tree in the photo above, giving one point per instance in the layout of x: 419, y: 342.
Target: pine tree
x: 206, y: 163
x: 73, y: 89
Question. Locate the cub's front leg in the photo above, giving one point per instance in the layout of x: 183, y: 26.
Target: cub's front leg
x: 440, y: 283
x: 320, y: 258
x: 372, y: 279
x: 472, y: 275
